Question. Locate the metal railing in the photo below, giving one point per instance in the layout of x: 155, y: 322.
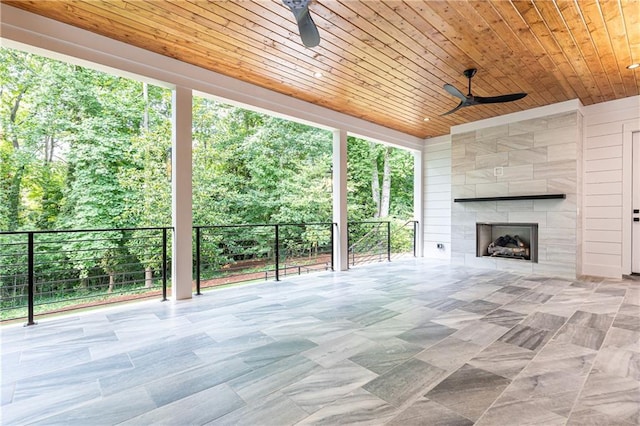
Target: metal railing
x: 43, y: 272
x: 51, y: 271
x: 227, y: 254
x: 377, y: 241
x: 369, y: 241
x: 404, y: 239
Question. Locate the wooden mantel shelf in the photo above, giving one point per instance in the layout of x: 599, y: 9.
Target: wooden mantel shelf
x: 511, y: 197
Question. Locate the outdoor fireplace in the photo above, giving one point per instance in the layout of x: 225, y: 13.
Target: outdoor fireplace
x: 507, y: 240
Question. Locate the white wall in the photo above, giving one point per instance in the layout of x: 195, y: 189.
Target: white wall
x: 437, y: 197
x: 607, y: 189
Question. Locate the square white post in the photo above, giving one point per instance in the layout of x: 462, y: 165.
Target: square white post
x: 340, y: 241
x: 418, y: 206
x: 181, y: 209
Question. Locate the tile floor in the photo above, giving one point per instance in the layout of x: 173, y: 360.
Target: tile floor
x: 401, y: 343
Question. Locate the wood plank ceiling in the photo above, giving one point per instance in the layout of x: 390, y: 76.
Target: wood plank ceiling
x: 387, y: 61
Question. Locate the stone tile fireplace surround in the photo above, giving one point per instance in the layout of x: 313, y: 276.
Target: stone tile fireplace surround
x: 532, y: 157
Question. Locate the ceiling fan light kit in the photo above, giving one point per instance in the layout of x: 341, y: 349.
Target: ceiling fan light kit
x: 470, y: 100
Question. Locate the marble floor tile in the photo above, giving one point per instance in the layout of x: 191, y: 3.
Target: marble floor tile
x: 582, y: 336
x: 504, y: 359
x: 327, y: 385
x: 615, y: 397
x: 373, y: 316
x: 427, y: 334
x: 40, y: 406
x: 275, y: 351
x: 450, y: 354
x: 619, y: 363
x: 629, y: 310
x: 386, y: 354
x: 357, y: 408
x: 196, y: 408
x: 468, y: 391
x: 457, y: 318
x: 629, y: 322
x: 527, y: 337
x: 385, y: 329
x: 504, y: 317
x: 447, y: 304
x: 480, y: 306
x: 623, y: 338
x: 274, y: 410
x: 591, y: 320
x: 481, y: 333
x: 418, y: 315
x: 544, y: 321
x: 131, y: 403
x: 362, y: 346
x: 554, y: 384
x: 534, y: 296
x: 563, y: 357
x: 426, y: 412
x: 405, y: 382
x: 584, y: 416
x: 339, y: 349
x: 509, y: 411
x: 176, y: 386
x: 272, y: 377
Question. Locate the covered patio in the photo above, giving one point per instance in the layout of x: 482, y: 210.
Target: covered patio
x: 413, y: 341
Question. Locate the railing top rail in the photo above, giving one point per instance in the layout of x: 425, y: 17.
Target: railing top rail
x: 250, y: 225
x: 369, y: 221
x: 60, y: 231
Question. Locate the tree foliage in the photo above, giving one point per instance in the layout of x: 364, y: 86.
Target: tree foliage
x: 81, y: 149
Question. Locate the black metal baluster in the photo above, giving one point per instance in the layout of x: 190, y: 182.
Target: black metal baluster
x: 333, y: 225
x: 389, y: 241
x: 415, y: 233
x: 198, y: 261
x: 164, y: 265
x: 31, y: 279
x: 277, y: 252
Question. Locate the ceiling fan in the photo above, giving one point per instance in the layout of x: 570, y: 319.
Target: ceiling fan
x: 308, y: 30
x: 470, y: 100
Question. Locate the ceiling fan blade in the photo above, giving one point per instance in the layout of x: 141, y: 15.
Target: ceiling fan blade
x: 308, y: 30
x: 497, y: 99
x: 454, y: 92
x: 460, y: 105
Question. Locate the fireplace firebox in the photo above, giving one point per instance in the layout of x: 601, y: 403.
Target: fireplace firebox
x: 517, y: 241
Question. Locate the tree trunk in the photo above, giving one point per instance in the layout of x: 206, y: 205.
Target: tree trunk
x: 375, y: 180
x: 145, y: 118
x: 111, y: 282
x: 386, y: 184
x: 12, y: 118
x: 148, y: 277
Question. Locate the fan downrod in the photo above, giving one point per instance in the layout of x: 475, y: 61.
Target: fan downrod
x: 470, y: 72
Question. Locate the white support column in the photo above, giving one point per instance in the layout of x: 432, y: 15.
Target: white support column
x: 181, y: 209
x: 340, y: 242
x: 418, y: 206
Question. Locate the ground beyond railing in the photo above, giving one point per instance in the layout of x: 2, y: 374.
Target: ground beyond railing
x: 53, y: 270
x: 226, y: 254
x: 43, y: 272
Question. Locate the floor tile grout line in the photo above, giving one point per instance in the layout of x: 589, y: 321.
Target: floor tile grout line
x: 598, y: 353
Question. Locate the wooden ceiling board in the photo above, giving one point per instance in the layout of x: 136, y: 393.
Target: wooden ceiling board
x: 387, y: 61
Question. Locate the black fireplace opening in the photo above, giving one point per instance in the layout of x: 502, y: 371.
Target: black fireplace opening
x: 517, y: 241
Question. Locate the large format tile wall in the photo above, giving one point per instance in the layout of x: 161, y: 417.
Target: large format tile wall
x: 537, y: 156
